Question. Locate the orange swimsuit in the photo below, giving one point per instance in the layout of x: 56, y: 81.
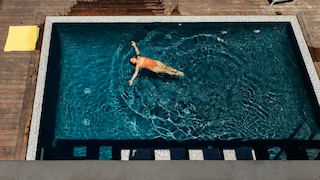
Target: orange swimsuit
x: 148, y: 63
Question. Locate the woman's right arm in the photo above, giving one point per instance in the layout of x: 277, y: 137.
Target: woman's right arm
x: 134, y: 45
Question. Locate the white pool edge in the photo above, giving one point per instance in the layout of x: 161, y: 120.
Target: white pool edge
x: 50, y: 20
x: 314, y: 78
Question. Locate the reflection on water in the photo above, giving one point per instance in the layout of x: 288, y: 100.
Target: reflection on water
x: 241, y: 82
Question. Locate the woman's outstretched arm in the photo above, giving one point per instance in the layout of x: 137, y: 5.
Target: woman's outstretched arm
x: 135, y: 74
x: 134, y: 45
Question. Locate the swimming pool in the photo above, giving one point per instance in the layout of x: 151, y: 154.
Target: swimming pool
x: 245, y: 82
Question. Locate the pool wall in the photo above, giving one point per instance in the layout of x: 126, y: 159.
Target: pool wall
x: 50, y: 21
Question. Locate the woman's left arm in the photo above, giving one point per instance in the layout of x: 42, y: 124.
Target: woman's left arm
x: 135, y: 74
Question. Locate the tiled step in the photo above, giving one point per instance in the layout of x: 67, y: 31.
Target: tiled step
x: 239, y: 154
x: 136, y: 154
x: 189, y: 154
x: 162, y: 154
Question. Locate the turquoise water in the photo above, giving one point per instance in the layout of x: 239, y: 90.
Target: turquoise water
x: 242, y: 81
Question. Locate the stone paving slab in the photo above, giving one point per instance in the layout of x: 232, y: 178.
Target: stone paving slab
x: 165, y: 170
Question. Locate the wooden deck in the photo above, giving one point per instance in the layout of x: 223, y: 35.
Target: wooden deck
x: 18, y: 70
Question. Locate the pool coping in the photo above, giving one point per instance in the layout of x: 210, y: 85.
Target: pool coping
x: 226, y: 170
x: 50, y: 20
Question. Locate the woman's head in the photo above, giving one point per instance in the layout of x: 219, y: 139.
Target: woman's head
x: 133, y: 61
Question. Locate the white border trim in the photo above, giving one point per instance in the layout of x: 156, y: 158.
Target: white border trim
x: 39, y: 93
x: 314, y: 78
x: 50, y: 20
x: 151, y: 19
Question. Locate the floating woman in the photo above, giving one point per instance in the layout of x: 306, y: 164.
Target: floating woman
x: 150, y: 64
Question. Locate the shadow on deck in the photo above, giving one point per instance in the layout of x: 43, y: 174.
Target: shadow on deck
x: 120, y: 7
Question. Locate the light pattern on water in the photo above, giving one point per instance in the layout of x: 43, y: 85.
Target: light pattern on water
x: 242, y: 81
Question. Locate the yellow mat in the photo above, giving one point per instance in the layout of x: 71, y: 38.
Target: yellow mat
x: 22, y: 38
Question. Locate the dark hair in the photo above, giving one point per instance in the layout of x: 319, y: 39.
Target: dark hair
x: 132, y: 63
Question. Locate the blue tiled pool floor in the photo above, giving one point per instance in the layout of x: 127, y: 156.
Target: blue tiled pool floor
x: 242, y: 82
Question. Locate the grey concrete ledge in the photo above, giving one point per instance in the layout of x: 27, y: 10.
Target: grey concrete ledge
x: 160, y: 170
x: 37, y: 108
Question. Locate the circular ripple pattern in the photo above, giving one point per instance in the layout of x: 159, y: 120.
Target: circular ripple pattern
x: 241, y: 82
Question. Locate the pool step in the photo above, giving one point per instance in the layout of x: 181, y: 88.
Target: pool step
x: 136, y: 154
x: 162, y: 154
x: 189, y: 154
x: 239, y: 154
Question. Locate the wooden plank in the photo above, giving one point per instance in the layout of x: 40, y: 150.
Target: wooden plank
x: 7, y: 137
x: 11, y: 101
x: 7, y: 152
x: 10, y: 106
x: 26, y: 112
x: 6, y: 81
x: 12, y: 132
x: 11, y: 91
x: 9, y: 116
x: 6, y: 109
x: 6, y: 122
x: 315, y: 54
x: 13, y: 87
x: 9, y: 126
x: 16, y: 77
x: 8, y: 143
x: 317, y: 66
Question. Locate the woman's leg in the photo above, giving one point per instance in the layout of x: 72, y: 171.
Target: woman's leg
x: 171, y: 71
x: 162, y: 68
